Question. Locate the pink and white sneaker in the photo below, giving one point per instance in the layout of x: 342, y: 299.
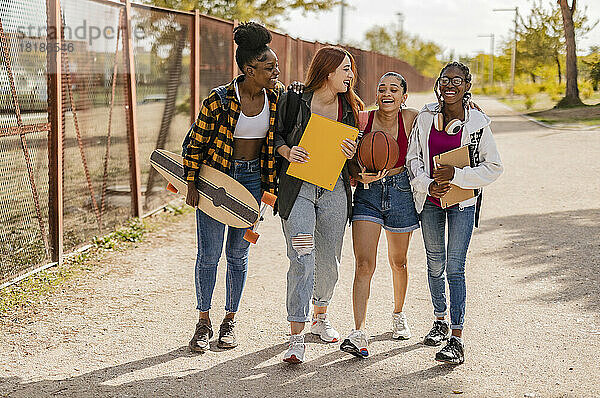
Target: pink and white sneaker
x: 322, y: 328
x: 296, y: 349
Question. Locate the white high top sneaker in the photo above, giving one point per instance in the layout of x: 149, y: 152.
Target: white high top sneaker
x: 400, y: 328
x: 296, y: 349
x: 322, y: 328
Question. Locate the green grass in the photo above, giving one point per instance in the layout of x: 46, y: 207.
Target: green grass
x: 588, y: 122
x: 541, y: 101
x: 31, y: 290
x: 541, y: 107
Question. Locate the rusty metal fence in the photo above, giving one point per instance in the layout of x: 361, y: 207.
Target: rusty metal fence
x: 88, y: 88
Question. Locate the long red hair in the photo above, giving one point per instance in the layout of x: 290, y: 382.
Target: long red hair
x: 325, y: 61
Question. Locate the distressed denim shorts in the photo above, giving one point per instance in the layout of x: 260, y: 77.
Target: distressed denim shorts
x: 387, y: 202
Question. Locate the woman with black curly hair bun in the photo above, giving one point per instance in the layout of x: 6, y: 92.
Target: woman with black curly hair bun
x: 233, y: 133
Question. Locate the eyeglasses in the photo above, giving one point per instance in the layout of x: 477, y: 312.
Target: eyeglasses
x: 456, y: 81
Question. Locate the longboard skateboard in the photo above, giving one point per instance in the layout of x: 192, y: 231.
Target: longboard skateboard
x: 221, y: 197
x: 267, y: 200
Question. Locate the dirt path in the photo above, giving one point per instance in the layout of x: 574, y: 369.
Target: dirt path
x: 532, y: 323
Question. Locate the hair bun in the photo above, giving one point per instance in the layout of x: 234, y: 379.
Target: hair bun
x: 251, y: 36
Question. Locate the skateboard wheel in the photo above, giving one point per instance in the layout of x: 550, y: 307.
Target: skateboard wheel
x: 171, y: 188
x: 251, y: 236
x: 269, y: 199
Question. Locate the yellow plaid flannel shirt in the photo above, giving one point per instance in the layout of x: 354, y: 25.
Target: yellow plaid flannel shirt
x: 217, y: 152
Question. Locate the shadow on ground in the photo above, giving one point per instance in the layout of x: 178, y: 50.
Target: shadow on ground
x: 333, y: 374
x: 562, y: 248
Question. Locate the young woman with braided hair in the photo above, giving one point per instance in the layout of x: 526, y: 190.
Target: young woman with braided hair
x: 440, y: 127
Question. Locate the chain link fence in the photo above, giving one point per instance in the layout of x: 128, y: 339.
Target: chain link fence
x: 99, y: 168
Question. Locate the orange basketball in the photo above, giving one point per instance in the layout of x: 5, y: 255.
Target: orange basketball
x: 377, y: 151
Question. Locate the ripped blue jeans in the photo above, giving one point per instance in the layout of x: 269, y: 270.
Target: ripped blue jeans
x: 314, y: 232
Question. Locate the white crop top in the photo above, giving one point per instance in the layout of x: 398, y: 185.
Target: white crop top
x: 251, y: 127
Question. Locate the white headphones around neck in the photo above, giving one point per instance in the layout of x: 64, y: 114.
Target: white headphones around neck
x: 453, y: 127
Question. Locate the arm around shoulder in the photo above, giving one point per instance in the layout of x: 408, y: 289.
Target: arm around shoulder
x: 280, y: 125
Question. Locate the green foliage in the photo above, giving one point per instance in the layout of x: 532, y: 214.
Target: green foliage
x: 552, y: 88
x: 421, y: 54
x: 586, y: 89
x: 591, y: 67
x: 31, y: 289
x: 541, y: 46
x: 529, y: 102
x: 177, y: 210
x: 265, y: 11
x: 132, y: 233
x: 493, y: 90
x: 526, y: 89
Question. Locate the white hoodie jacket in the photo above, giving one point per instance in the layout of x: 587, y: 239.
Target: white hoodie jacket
x: 488, y: 165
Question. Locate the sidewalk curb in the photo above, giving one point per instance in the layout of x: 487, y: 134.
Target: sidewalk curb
x: 549, y: 126
x: 542, y: 124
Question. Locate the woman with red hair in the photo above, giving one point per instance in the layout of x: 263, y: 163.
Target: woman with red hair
x: 314, y: 219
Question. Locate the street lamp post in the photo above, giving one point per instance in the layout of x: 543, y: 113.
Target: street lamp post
x: 342, y: 20
x: 400, y: 16
x: 513, y: 60
x: 491, y: 36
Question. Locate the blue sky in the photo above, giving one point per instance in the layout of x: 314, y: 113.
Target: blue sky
x: 452, y: 24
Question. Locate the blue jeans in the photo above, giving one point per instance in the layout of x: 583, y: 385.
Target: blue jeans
x: 314, y: 232
x: 210, y: 233
x: 450, y: 259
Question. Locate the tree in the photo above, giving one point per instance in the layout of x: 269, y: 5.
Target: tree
x: 422, y: 54
x: 541, y: 38
x: 572, y: 94
x: 265, y: 11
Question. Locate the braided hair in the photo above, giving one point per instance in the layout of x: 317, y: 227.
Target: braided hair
x: 252, y: 40
x: 436, y: 87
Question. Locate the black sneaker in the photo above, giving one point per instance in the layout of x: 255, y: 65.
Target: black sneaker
x: 453, y: 353
x: 226, y: 335
x: 438, y: 333
x: 202, y: 336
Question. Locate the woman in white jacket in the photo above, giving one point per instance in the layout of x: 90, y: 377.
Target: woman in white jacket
x: 455, y: 125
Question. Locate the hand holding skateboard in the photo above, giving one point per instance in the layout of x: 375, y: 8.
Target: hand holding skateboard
x: 215, y: 193
x: 192, y: 196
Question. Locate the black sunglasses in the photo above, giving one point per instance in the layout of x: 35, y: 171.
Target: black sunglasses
x: 456, y: 81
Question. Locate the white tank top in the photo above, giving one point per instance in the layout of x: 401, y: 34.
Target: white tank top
x: 252, y: 127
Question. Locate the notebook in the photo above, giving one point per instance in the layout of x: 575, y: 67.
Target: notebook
x: 460, y: 158
x: 322, y: 139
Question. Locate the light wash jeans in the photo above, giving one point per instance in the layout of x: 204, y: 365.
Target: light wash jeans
x: 210, y: 234
x: 314, y: 232
x: 450, y: 259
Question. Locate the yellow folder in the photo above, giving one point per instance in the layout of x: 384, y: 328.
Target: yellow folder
x: 322, y: 139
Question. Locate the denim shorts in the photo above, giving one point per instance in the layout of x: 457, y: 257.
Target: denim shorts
x: 387, y: 202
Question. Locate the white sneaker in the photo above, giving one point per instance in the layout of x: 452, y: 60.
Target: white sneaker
x: 400, y: 328
x: 322, y: 328
x: 356, y: 344
x: 295, y: 352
